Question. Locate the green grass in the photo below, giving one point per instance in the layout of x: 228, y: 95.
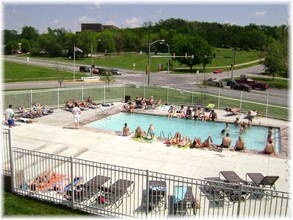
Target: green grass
x: 16, y: 72
x: 17, y: 205
x: 126, y: 60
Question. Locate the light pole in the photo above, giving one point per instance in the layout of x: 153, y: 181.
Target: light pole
x: 168, y: 55
x: 149, y: 60
x: 233, y: 59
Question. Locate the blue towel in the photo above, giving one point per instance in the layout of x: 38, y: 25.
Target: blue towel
x: 179, y: 193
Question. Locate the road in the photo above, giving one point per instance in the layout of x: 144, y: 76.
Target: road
x: 191, y: 82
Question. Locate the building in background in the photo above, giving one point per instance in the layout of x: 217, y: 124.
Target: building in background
x: 96, y: 27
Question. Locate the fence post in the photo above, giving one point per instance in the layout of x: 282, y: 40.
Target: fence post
x: 81, y: 93
x: 31, y: 98
x: 167, y: 95
x: 124, y: 91
x: 219, y: 98
x: 72, y: 182
x: 239, y: 195
x: 104, y: 94
x: 144, y: 90
x: 240, y: 99
x: 267, y: 106
x: 12, y: 173
x: 147, y: 194
x: 58, y: 97
x: 192, y: 96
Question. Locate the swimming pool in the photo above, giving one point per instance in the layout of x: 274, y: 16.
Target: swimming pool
x: 254, y: 137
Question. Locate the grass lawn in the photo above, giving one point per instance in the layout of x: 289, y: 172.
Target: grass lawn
x: 16, y: 205
x: 17, y: 72
x: 138, y: 61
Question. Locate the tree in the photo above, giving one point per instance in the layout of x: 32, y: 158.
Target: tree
x: 277, y: 60
x: 86, y: 40
x: 29, y: 33
x: 107, y: 77
x: 191, y: 45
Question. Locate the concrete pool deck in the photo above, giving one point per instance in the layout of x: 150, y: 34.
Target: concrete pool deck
x: 55, y: 134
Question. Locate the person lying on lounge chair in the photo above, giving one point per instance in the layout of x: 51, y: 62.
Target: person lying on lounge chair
x: 176, y: 139
x: 184, y: 142
x: 196, y: 143
x: 25, y: 120
x: 234, y: 111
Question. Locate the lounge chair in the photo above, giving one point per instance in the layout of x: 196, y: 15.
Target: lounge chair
x: 216, y: 187
x: 85, y: 191
x: 114, y: 194
x: 232, y: 177
x: 157, y: 195
x: 210, y: 106
x: 184, y: 201
x: 260, y: 180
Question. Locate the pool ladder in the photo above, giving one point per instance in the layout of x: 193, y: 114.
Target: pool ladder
x: 102, y: 112
x: 162, y: 135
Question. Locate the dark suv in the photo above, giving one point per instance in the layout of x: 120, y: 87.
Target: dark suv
x: 84, y: 69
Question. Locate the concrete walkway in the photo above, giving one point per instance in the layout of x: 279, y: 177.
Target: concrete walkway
x: 55, y: 134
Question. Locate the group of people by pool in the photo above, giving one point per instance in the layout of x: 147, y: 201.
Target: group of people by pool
x: 194, y: 113
x: 25, y: 115
x: 184, y: 141
x: 142, y: 103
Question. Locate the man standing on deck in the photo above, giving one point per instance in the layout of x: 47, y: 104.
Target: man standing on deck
x: 76, y: 112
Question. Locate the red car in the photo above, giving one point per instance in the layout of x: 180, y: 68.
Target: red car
x: 217, y: 71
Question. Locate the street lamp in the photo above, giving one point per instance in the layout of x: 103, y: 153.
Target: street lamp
x: 149, y: 60
x: 92, y: 64
x: 233, y: 59
x: 168, y: 54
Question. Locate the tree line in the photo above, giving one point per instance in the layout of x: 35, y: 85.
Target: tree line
x: 185, y: 37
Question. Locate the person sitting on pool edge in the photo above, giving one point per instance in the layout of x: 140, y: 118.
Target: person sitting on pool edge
x: 270, y: 148
x: 171, y: 111
x: 125, y: 130
x: 139, y: 133
x: 226, y: 141
x: 239, y: 145
x: 213, y: 116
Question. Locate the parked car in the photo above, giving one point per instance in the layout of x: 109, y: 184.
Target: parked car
x: 215, y: 82
x: 260, y: 86
x: 98, y: 71
x: 230, y: 82
x: 115, y: 72
x: 84, y: 69
x: 241, y: 86
x: 217, y: 71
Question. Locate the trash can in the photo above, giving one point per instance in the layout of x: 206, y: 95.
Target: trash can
x: 160, y: 66
x: 127, y: 98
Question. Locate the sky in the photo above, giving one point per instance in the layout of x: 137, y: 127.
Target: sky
x: 130, y: 14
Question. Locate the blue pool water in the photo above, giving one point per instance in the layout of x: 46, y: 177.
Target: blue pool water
x: 254, y: 137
